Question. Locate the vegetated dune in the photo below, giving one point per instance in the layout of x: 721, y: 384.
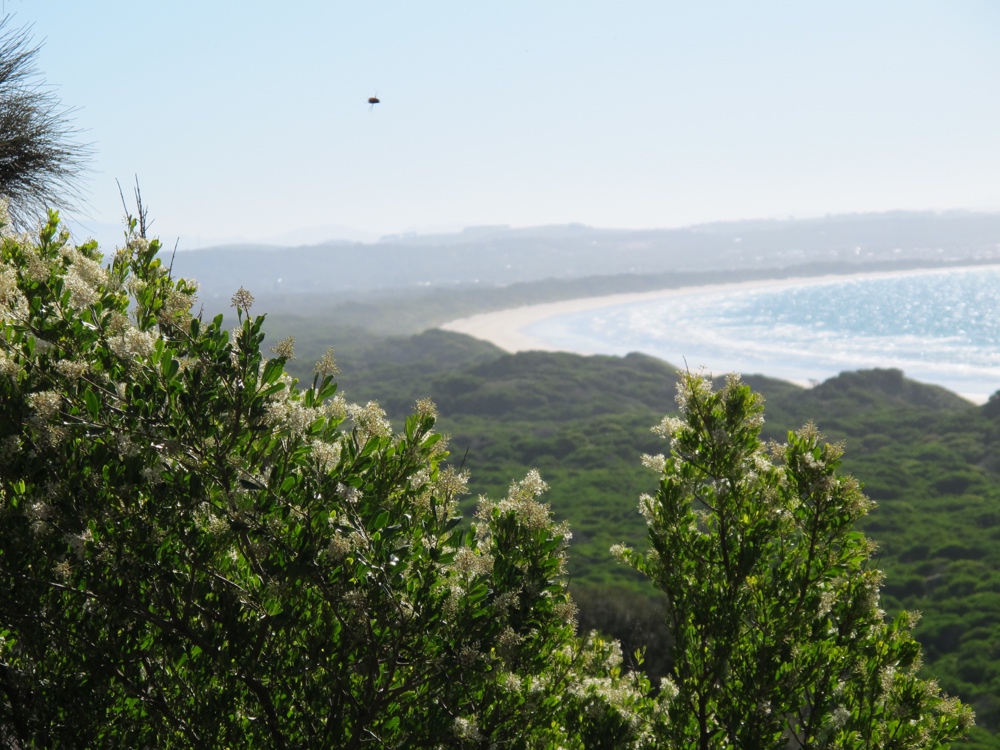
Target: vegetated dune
x: 929, y: 458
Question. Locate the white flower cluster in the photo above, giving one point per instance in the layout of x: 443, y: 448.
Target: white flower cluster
x: 508, y: 642
x: 326, y: 454
x: 620, y: 552
x: 465, y: 728
x: 84, y: 279
x: 13, y: 305
x: 692, y: 388
x: 425, y: 408
x: 419, y: 478
x: 71, y: 370
x: 469, y: 655
x: 509, y: 682
x: 369, y: 421
x: 176, y: 304
x: 285, y: 348
x: 35, y: 267
x: 473, y: 562
x: 827, y: 600
x: 78, y: 542
x: 507, y: 601
x: 132, y: 344
x: 521, y: 501
x: 45, y: 404
x: 450, y: 483
x: 9, y: 367
x: 647, y: 507
x: 348, y: 493
x: 334, y: 409
x: 655, y: 463
x: 340, y: 545
x: 668, y: 427
x: 207, y: 519
x: 327, y: 365
x: 566, y: 611
x: 290, y: 414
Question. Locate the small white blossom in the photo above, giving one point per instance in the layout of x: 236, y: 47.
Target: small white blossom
x: 340, y: 546
x: 176, y: 304
x: 647, y: 507
x: 290, y: 415
x: 335, y: 409
x: 468, y: 655
x: 508, y: 641
x: 326, y: 454
x: 466, y: 729
x: 133, y: 344
x: 71, y: 370
x: 450, y: 483
x: 35, y: 267
x: 9, y: 367
x: 668, y: 689
x: 369, y: 421
x: 419, y: 478
x: 81, y: 294
x: 530, y: 487
x: 46, y: 404
x: 620, y: 552
x: 78, y: 542
x: 285, y: 348
x: 348, y: 493
x: 425, y: 408
x: 327, y: 365
x: 668, y: 426
x: 471, y: 562
x: 13, y: 304
x: 839, y: 717
x: 242, y: 300
x: 566, y: 611
x: 656, y: 463
x: 509, y: 682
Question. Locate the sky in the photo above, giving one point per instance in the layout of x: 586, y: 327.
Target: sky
x: 249, y: 120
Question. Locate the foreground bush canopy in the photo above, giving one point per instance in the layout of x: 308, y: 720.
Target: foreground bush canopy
x: 197, y: 552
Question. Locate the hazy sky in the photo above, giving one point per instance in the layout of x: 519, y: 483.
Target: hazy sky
x: 249, y: 119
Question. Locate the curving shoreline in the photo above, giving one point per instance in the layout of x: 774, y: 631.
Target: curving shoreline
x: 506, y: 328
x: 509, y: 329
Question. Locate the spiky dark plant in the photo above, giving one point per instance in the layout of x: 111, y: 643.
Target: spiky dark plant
x: 41, y: 160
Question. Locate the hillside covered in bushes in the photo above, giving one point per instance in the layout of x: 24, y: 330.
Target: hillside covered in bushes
x: 929, y: 459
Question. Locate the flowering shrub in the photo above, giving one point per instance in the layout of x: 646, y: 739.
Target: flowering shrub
x: 197, y: 552
x: 773, y: 603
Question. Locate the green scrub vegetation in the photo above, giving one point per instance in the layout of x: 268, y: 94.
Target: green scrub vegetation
x: 198, y: 551
x: 929, y: 460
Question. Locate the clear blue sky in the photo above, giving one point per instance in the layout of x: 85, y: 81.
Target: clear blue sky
x: 249, y: 119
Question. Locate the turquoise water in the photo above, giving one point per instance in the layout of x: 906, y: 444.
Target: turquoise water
x: 939, y: 327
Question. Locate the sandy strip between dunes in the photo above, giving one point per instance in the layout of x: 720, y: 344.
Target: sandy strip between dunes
x: 506, y: 328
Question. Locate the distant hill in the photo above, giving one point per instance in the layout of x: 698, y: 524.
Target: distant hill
x: 496, y: 257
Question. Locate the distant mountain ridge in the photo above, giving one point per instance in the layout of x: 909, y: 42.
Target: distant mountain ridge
x: 500, y: 256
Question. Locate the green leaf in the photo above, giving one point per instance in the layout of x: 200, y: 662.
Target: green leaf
x: 93, y: 405
x: 272, y: 371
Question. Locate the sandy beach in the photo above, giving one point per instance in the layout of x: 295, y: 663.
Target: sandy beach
x: 506, y: 328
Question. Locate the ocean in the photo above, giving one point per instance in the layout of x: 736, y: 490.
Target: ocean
x: 938, y: 326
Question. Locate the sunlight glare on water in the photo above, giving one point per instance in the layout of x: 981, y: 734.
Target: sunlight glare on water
x: 939, y: 327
